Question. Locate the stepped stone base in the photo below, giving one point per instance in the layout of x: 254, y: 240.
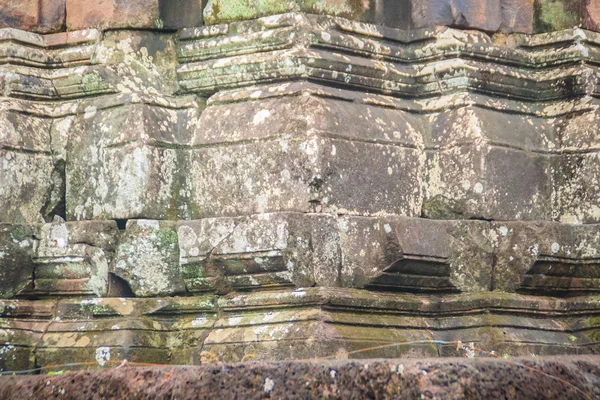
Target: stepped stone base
x: 192, y: 182
x: 294, y: 324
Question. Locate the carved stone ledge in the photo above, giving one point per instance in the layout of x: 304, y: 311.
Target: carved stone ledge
x: 293, y: 324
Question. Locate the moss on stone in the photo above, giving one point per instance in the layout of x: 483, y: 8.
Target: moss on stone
x: 219, y: 11
x: 554, y: 15
x: 92, y: 83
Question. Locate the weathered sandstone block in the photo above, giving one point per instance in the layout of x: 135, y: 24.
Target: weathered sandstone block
x: 148, y: 14
x: 107, y: 330
x: 113, y: 14
x: 16, y: 264
x: 218, y: 11
x: 118, y: 168
x: 485, y: 15
x: 591, y: 15
x: 23, y: 326
x: 147, y: 258
x: 261, y: 251
x: 42, y: 16
x: 176, y: 14
x: 73, y: 258
x: 517, y: 16
x: 399, y: 254
x: 554, y: 15
x: 484, y: 164
x: 291, y: 324
x: 310, y: 185
x: 577, y: 172
x: 547, y: 258
x: 26, y: 168
x: 577, y: 183
x: 294, y: 153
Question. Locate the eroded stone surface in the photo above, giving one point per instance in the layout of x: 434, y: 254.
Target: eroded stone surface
x: 16, y: 264
x: 547, y: 257
x: 73, y: 258
x: 294, y: 324
x: 44, y: 16
x: 264, y: 251
x: 310, y: 185
x: 147, y: 257
x: 520, y: 378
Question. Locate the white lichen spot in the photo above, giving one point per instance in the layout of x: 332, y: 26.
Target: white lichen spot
x: 199, y: 321
x: 269, y: 385
x: 503, y: 230
x: 333, y: 373
x: 534, y: 250
x: 148, y: 224
x: 60, y: 235
x: 555, y: 247
x: 187, y: 237
x: 478, y: 188
x: 233, y: 321
x: 98, y: 281
x: 261, y: 117
x: 387, y: 228
x: 102, y: 355
x: 89, y: 112
x: 399, y: 369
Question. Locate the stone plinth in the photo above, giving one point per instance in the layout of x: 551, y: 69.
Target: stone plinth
x: 190, y: 182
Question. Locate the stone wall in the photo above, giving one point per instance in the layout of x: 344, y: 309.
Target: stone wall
x: 297, y: 179
x: 508, y: 16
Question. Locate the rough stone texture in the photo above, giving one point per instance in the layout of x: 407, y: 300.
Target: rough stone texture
x: 149, y: 14
x: 295, y: 324
x: 591, y: 15
x: 550, y: 378
x: 26, y: 178
x: 218, y: 11
x: 310, y: 185
x: 177, y: 14
x: 554, y: 15
x: 110, y: 13
x: 485, y: 15
x: 547, y: 258
x: 16, y: 264
x: 507, y: 16
x: 73, y: 258
x: 147, y: 257
x: 305, y: 161
x: 395, y: 254
x: 263, y: 251
x: 43, y: 16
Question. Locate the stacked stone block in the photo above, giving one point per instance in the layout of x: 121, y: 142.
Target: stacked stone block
x: 297, y: 179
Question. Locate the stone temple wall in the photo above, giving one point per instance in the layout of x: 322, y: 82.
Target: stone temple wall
x: 184, y: 181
